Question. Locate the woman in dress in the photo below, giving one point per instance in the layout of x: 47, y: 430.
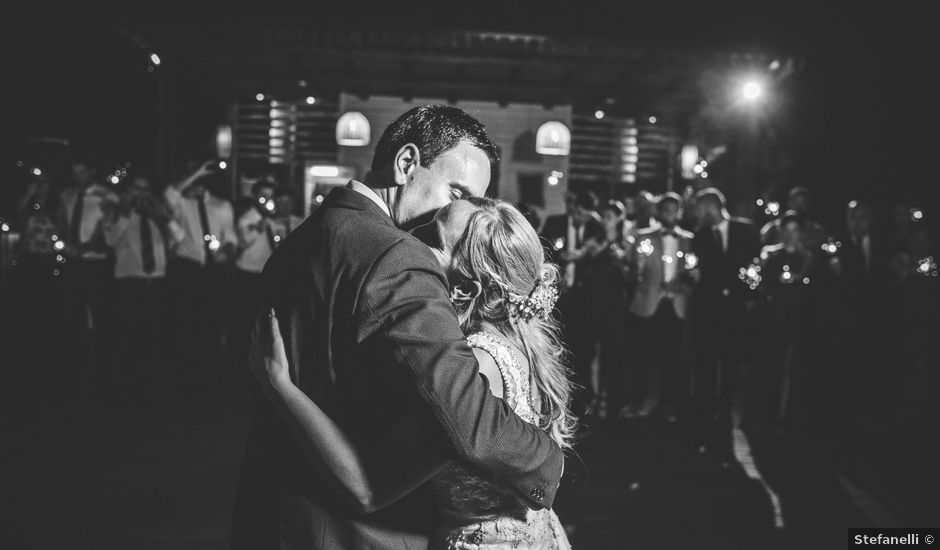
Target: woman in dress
x: 504, y: 294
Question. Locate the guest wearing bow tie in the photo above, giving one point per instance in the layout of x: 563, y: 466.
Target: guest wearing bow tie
x: 720, y: 305
x: 664, y: 268
x: 203, y: 231
x: 567, y: 238
x: 137, y: 230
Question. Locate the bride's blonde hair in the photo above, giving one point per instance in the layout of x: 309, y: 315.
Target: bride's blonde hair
x: 501, y: 250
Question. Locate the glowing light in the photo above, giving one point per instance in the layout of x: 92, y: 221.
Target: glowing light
x: 599, y: 114
x: 214, y: 243
x: 773, y: 208
x: 319, y: 199
x: 277, y: 238
x: 553, y: 138
x: 60, y: 258
x: 269, y: 206
x: 751, y: 275
x: 559, y: 243
x: 805, y: 280
x: 704, y: 175
x: 691, y: 261
x: 55, y: 238
x: 831, y: 246
x: 259, y: 97
x: 155, y: 59
x: 917, y: 214
x: 752, y: 90
x: 37, y: 172
x: 774, y: 65
x: 59, y: 245
x: 353, y: 130
x: 653, y: 120
x: 223, y: 141
x: 697, y: 169
x: 704, y: 164
x: 207, y: 237
x: 311, y: 100
x: 927, y: 267
x: 4, y: 227
x: 223, y: 165
x: 760, y: 202
x: 115, y: 179
x: 558, y: 173
x: 645, y: 248
x: 324, y: 171
x: 552, y: 180
x: 667, y: 259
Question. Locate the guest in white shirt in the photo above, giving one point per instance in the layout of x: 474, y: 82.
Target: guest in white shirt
x: 88, y: 266
x: 203, y: 231
x: 137, y: 230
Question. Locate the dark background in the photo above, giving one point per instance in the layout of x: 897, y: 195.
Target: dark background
x: 861, y: 114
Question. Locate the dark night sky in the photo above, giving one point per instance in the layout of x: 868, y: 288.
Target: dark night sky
x: 866, y: 105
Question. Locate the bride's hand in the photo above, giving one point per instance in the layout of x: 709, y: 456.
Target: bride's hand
x: 268, y: 356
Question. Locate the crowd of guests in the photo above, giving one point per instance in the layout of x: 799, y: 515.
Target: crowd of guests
x: 674, y: 308
x: 671, y: 307
x: 112, y: 282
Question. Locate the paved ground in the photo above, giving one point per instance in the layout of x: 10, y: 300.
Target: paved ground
x: 152, y: 478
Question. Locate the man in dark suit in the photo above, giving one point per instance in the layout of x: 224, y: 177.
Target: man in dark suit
x: 720, y: 304
x: 857, y: 279
x: 571, y: 240
x: 660, y: 257
x: 373, y: 339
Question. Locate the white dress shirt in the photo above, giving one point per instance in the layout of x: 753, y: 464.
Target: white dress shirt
x: 670, y: 247
x: 187, y: 229
x: 723, y: 228
x: 92, y: 215
x: 124, y: 235
x: 369, y: 192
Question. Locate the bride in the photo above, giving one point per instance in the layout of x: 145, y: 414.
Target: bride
x: 504, y: 294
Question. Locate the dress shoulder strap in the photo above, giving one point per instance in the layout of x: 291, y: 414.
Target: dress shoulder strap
x: 516, y: 389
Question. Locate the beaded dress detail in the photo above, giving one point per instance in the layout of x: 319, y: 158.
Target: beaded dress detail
x: 480, y: 514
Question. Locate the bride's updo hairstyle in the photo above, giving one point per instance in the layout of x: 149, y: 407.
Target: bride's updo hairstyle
x: 501, y: 251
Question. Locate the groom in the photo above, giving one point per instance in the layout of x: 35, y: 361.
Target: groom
x: 372, y: 338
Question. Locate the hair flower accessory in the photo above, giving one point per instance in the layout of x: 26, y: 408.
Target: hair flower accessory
x: 539, y: 303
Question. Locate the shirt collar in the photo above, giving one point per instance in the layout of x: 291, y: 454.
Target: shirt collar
x: 363, y: 189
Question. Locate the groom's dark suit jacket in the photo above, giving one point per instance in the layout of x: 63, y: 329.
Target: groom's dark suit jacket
x: 373, y: 340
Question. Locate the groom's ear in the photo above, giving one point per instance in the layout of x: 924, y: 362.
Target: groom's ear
x: 406, y: 161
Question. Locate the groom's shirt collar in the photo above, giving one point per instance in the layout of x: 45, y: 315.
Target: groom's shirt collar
x: 364, y: 189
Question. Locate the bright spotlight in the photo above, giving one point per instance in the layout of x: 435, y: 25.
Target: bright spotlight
x: 652, y: 120
x: 259, y: 97
x: 752, y: 90
x: 37, y: 172
x: 155, y: 59
x: 311, y: 100
x: 223, y: 165
x: 599, y: 114
x: 552, y: 180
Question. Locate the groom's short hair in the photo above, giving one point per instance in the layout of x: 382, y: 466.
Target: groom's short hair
x: 434, y: 129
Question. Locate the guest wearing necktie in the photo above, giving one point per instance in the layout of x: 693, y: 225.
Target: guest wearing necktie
x: 203, y: 231
x: 137, y: 230
x: 664, y: 267
x: 260, y: 231
x: 88, y: 267
x: 566, y: 237
x: 719, y: 307
x: 859, y: 272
